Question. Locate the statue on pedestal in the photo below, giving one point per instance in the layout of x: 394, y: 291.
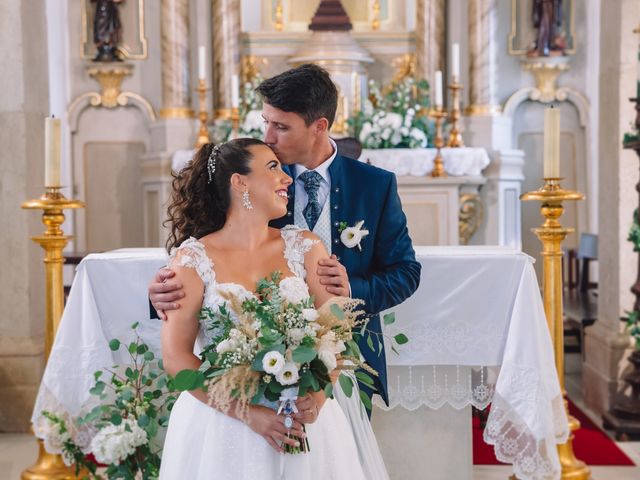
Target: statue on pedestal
x: 547, y: 18
x: 106, y: 30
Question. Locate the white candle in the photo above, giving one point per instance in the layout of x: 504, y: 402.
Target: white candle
x: 455, y: 61
x: 438, y: 89
x: 202, y: 64
x: 52, y: 152
x: 551, y: 143
x: 235, y: 91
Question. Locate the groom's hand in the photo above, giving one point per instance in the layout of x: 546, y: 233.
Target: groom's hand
x: 334, y: 276
x: 163, y: 292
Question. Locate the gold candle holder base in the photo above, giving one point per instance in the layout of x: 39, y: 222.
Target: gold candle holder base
x: 203, y: 133
x: 52, y: 203
x: 455, y: 137
x: 438, y: 165
x: 551, y: 234
x: 235, y: 121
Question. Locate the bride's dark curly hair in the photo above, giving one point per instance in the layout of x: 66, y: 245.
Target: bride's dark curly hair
x: 198, y: 207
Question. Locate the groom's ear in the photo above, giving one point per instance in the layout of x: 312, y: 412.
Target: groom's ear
x: 321, y: 125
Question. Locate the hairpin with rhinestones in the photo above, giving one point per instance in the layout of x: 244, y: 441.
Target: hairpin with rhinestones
x: 211, y: 161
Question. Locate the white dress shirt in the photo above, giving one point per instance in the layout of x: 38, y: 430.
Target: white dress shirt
x: 325, y: 184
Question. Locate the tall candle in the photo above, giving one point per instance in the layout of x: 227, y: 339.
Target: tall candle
x: 438, y: 88
x: 235, y: 91
x: 52, y: 152
x: 551, y: 143
x: 202, y: 64
x: 455, y: 61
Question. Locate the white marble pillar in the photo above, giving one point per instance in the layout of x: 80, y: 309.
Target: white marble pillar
x: 430, y: 37
x: 176, y: 83
x: 24, y: 103
x: 483, y: 56
x: 607, y: 345
x: 226, y: 51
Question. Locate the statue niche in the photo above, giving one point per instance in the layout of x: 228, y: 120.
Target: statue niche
x: 106, y: 30
x: 547, y: 18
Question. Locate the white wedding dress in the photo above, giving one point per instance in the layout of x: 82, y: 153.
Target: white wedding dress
x: 203, y: 443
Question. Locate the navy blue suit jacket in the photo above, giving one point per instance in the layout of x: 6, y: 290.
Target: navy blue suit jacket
x: 385, y: 272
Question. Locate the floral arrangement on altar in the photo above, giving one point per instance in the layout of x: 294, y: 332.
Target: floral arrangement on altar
x: 123, y: 434
x: 251, y: 123
x: 394, y: 117
x: 271, y: 348
x: 633, y: 317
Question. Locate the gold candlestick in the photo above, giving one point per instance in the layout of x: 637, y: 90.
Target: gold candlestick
x: 551, y: 234
x: 455, y: 137
x: 53, y: 241
x: 203, y: 133
x: 438, y: 165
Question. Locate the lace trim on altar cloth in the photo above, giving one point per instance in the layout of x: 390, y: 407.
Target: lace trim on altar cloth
x: 514, y: 442
x: 436, y: 385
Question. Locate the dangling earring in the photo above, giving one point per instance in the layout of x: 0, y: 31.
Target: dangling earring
x: 246, y: 202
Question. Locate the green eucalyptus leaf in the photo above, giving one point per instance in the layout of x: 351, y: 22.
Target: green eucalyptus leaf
x: 401, y: 339
x: 337, y: 312
x: 98, y: 388
x: 303, y: 354
x: 389, y: 318
x: 116, y: 418
x: 143, y: 421
x: 347, y: 385
x: 114, y: 344
x: 366, y: 401
x: 188, y: 380
x: 364, y: 378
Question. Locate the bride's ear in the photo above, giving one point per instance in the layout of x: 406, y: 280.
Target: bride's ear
x: 238, y: 183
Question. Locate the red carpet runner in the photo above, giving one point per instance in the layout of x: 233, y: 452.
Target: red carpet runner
x: 591, y: 444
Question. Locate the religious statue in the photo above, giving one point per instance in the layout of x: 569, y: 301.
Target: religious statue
x: 547, y: 18
x: 106, y: 30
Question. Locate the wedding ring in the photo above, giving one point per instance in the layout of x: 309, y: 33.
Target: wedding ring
x: 288, y: 422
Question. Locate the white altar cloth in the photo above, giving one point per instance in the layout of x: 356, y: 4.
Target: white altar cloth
x: 419, y: 161
x: 476, y: 307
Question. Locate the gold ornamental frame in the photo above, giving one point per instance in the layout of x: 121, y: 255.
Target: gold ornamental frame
x: 517, y: 50
x: 127, y: 50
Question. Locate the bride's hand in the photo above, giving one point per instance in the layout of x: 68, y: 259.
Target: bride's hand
x: 309, y: 407
x: 266, y: 423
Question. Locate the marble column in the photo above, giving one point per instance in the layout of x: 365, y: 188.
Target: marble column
x: 226, y: 51
x: 24, y: 103
x: 483, y: 56
x: 430, y: 37
x: 176, y: 86
x: 607, y: 345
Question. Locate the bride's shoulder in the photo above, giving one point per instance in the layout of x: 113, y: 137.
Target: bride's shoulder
x: 189, y: 253
x: 293, y: 234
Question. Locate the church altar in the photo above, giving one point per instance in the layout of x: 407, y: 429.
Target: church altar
x: 477, y: 335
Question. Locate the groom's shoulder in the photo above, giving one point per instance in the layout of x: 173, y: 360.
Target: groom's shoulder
x: 364, y: 171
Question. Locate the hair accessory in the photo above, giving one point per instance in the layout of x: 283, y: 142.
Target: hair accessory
x: 212, y: 160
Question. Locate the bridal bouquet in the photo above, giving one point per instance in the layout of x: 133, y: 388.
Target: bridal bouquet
x: 273, y: 347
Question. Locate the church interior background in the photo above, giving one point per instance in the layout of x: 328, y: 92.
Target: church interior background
x: 188, y: 65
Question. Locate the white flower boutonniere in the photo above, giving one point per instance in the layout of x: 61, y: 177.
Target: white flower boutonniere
x: 352, y: 236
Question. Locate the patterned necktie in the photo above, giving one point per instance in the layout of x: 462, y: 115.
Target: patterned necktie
x: 311, y: 212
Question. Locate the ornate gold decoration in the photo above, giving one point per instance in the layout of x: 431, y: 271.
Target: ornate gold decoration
x: 438, y: 166
x: 110, y: 76
x: 455, y: 137
x: 551, y: 234
x: 53, y: 241
x: 470, y: 217
x: 203, y: 133
x: 176, y: 112
x: 278, y: 20
x: 235, y: 121
x: 139, y: 52
x: 483, y: 110
x: 514, y: 29
x: 251, y: 67
x: 546, y: 71
x: 405, y: 66
x: 375, y: 20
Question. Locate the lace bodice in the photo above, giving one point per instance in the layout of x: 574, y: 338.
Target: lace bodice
x: 191, y: 253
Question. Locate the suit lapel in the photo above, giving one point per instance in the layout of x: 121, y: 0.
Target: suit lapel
x: 337, y: 198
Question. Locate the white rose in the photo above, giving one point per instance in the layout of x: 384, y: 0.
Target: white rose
x: 296, y: 335
x: 288, y: 375
x: 328, y: 348
x: 294, y: 290
x: 224, y: 346
x: 273, y: 362
x: 328, y: 358
x: 310, y: 314
x: 114, y: 443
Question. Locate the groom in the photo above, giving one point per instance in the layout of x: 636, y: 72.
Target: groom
x: 331, y: 193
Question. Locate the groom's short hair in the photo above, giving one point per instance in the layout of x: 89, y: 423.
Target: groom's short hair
x: 306, y: 90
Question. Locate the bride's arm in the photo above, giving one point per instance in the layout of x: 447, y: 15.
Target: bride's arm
x: 312, y: 257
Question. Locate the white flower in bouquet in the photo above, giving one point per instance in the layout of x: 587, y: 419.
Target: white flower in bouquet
x: 224, y: 346
x: 294, y: 290
x: 273, y: 362
x: 295, y: 336
x: 114, y: 443
x: 234, y: 290
x: 392, y: 120
x: 288, y: 375
x: 310, y: 314
x: 328, y: 348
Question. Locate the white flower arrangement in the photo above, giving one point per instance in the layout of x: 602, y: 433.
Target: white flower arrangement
x: 114, y: 443
x: 352, y: 236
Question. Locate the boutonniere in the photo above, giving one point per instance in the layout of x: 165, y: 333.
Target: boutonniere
x: 352, y: 236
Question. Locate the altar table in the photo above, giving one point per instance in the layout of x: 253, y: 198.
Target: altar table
x: 477, y: 335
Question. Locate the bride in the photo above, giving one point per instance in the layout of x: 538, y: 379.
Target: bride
x: 220, y: 237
